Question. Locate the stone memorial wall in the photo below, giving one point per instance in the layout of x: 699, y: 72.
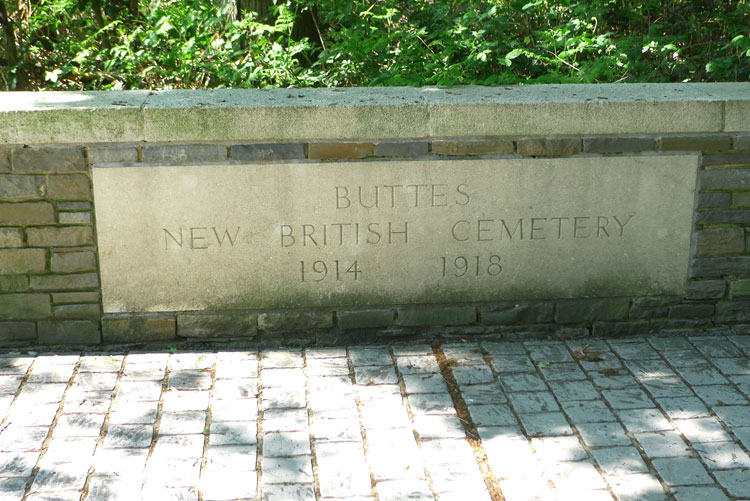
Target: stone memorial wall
x: 326, y: 215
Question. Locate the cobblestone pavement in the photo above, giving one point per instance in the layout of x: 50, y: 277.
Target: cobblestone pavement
x: 637, y: 419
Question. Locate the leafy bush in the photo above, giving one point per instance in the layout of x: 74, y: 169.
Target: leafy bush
x: 57, y: 44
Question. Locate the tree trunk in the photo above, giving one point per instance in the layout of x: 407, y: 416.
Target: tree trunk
x: 11, y: 50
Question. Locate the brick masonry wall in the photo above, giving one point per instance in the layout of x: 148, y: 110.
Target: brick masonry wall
x: 49, y: 283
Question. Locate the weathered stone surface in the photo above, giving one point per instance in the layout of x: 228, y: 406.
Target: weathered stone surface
x: 67, y: 159
x: 268, y: 151
x: 731, y: 159
x: 74, y: 217
x: 70, y: 236
x: 69, y: 187
x: 14, y: 283
x: 184, y: 153
x: 112, y: 154
x: 27, y: 213
x: 76, y: 311
x: 651, y: 307
x: 275, y: 321
x: 186, y: 243
x: 64, y: 282
x: 4, y: 160
x: 549, y: 147
x: 14, y: 187
x: 706, y: 289
x: 718, y: 266
x: 460, y: 147
x: 696, y: 143
x: 332, y: 151
x: 75, y: 297
x: 17, y: 332
x: 19, y: 261
x: 402, y: 149
x: 365, y: 318
x: 225, y: 325
x: 733, y: 311
x: 24, y: 306
x: 73, y: 205
x: 723, y: 217
x: 739, y: 288
x: 587, y: 311
x: 10, y: 237
x: 526, y: 313
x: 741, y: 142
x: 691, y: 310
x: 69, y: 332
x: 436, y: 315
x: 725, y: 179
x: 741, y: 199
x: 137, y: 328
x: 617, y: 144
x: 715, y: 200
x: 620, y: 329
x: 67, y: 262
x: 720, y: 242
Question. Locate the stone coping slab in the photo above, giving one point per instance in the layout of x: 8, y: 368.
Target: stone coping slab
x: 356, y: 113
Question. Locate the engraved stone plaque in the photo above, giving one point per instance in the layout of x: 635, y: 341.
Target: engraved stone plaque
x: 309, y: 234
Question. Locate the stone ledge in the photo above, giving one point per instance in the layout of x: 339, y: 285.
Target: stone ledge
x: 360, y: 113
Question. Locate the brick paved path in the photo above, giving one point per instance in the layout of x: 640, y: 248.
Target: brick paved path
x: 637, y: 419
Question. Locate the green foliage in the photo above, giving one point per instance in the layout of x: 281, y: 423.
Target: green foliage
x: 202, y: 44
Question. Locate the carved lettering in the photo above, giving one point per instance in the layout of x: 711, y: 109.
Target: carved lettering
x: 344, y: 234
x: 200, y: 237
x: 539, y: 228
x: 417, y: 195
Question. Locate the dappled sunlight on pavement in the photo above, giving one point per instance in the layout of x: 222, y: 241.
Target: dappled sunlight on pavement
x: 628, y: 419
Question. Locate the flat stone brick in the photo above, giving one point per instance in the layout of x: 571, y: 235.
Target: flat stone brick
x: 66, y: 262
x: 681, y: 325
x: 22, y: 187
x: 27, y: 213
x: 723, y: 216
x: 617, y: 144
x: 14, y: 283
x: 714, y: 200
x: 620, y: 329
x: 73, y: 205
x: 587, y: 311
x: 11, y: 237
x: 4, y: 160
x: 294, y: 320
x: 365, y: 319
x: 184, y: 153
x: 69, y: 332
x: 76, y: 311
x: 713, y: 242
x: 69, y: 159
x: 718, y: 266
x: 112, y: 154
x: 651, y: 307
x: 331, y: 151
x: 741, y: 142
x: 402, y: 149
x: 75, y: 297
x: 524, y: 313
x: 74, y: 217
x: 727, y: 159
x: 65, y: 282
x: 437, y: 315
x: 17, y: 331
x: 725, y: 179
x: 199, y: 325
x: 696, y: 143
x: 472, y: 146
x: 691, y: 311
x: 706, y: 289
x: 733, y: 311
x: 739, y: 288
x: 549, y: 147
x: 19, y: 261
x: 24, y: 306
x: 70, y: 236
x: 268, y: 151
x: 69, y: 187
x: 130, y: 329
x: 740, y: 198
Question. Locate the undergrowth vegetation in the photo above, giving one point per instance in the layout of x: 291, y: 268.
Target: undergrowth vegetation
x: 156, y: 44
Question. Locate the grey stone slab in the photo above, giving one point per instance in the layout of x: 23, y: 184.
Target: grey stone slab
x: 239, y: 458
x: 562, y: 372
x: 283, y: 398
x: 587, y: 411
x: 289, y: 492
x: 178, y: 447
x: 79, y: 425
x: 667, y: 387
x: 286, y: 444
x: 523, y: 382
x: 702, y: 430
x: 512, y: 362
x: 549, y: 352
x: 290, y: 378
x: 683, y: 407
x: 17, y: 464
x: 733, y: 366
x: 176, y: 423
x: 424, y: 383
x: 635, y: 350
x: 496, y: 349
x: 327, y: 366
x: 14, y: 488
x: 171, y: 472
x: 474, y: 374
x: 663, y: 444
x: 370, y: 356
x: 743, y: 435
x: 446, y: 451
x: 393, y: 454
x: 234, y: 410
x: 573, y: 390
x: 139, y: 391
x: 643, y: 420
x: 132, y: 436
x: 232, y: 389
x: 431, y: 403
x: 734, y: 416
x: 714, y: 395
x: 492, y: 415
x: 716, y: 347
x: 16, y: 438
x: 605, y: 434
x: 535, y: 401
x: 281, y: 359
x: 545, y: 424
x: 63, y: 477
x: 736, y: 482
x: 342, y: 470
x: 637, y: 487
x: 723, y: 456
x: 694, y: 493
x: 113, y: 488
x: 233, y: 433
x: 417, y: 364
x: 438, y: 426
x: 339, y: 429
x: 669, y: 343
x: 649, y: 368
x: 222, y: 484
x: 491, y: 393
x: 552, y: 450
x: 628, y: 398
x: 615, y: 379
x: 699, y: 376
x: 465, y: 354
x: 285, y: 420
x: 375, y: 375
x: 620, y: 460
x: 682, y: 471
x: 397, y: 490
x: 189, y: 380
